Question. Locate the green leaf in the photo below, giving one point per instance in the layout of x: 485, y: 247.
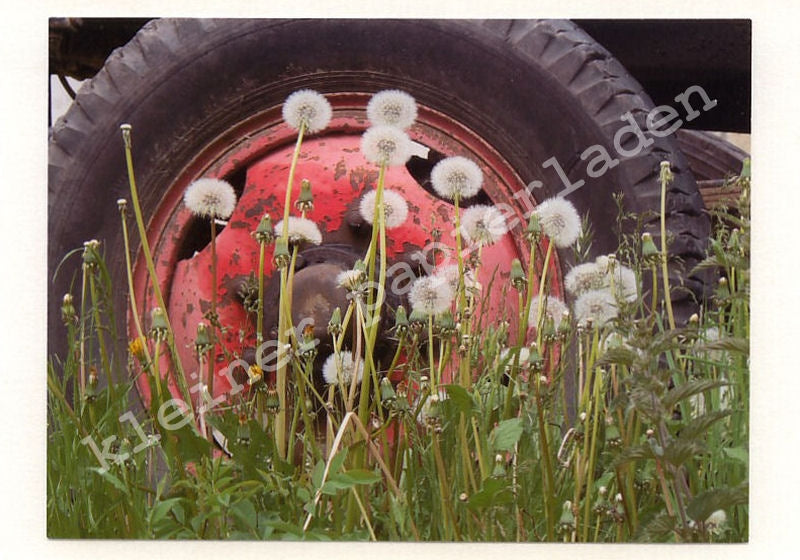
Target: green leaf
x: 245, y: 512
x: 506, y: 434
x: 338, y: 460
x: 688, y: 389
x: 316, y: 474
x: 659, y: 528
x: 333, y: 485
x: 361, y: 476
x: 634, y: 453
x: 729, y: 344
x: 161, y: 509
x: 700, y: 425
x: 736, y: 453
x: 493, y: 492
x: 708, y: 502
x: 679, y: 451
x: 461, y: 398
x: 111, y: 479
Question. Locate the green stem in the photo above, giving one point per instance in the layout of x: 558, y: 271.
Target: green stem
x: 151, y: 269
x: 665, y: 179
x: 260, y: 313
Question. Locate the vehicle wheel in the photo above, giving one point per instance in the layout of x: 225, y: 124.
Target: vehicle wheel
x: 204, y: 99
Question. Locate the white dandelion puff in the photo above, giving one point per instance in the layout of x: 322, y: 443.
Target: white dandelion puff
x: 483, y: 225
x: 309, y: 107
x: 450, y: 273
x: 300, y: 229
x: 560, y: 221
x: 583, y: 278
x: 339, y: 368
x: 350, y: 280
x: 625, y: 283
x: 598, y: 305
x: 386, y: 145
x: 211, y: 198
x: 392, y: 107
x: 431, y: 295
x: 554, y: 307
x: 456, y: 175
x: 395, y: 208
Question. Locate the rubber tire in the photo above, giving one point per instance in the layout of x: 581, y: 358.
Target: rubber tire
x: 533, y: 89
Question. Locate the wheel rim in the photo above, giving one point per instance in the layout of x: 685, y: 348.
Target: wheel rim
x: 255, y: 157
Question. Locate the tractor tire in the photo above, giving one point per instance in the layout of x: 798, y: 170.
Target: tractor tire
x: 533, y: 90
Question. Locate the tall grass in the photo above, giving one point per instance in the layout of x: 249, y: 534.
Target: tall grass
x: 632, y: 430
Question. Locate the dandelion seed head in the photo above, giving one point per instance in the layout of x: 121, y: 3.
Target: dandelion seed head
x: 395, y: 208
x: 625, y: 283
x: 431, y: 295
x: 716, y: 520
x: 483, y: 225
x: 300, y: 230
x: 559, y: 220
x: 392, y: 107
x: 456, y: 176
x: 309, y: 107
x: 339, y: 368
x: 553, y: 307
x: 210, y: 198
x: 450, y: 273
x: 384, y: 144
x: 598, y: 305
x: 583, y: 278
x: 350, y: 280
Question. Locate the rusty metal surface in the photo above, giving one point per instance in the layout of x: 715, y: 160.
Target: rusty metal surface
x: 260, y: 151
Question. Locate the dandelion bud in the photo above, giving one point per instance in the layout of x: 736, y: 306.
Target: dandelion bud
x: 264, y: 232
x: 563, y: 326
x: 445, y: 324
x: 271, y: 402
x: 305, y: 202
x: 549, y: 330
x: 281, y: 255
x: 67, y: 310
x: 650, y: 253
x: 665, y: 175
x: 601, y: 504
x: 517, y: 275
x: 91, y: 257
x: 202, y: 341
x: 122, y: 204
x: 243, y: 431
x: 126, y: 134
x: 307, y: 349
x: 388, y: 394
x: 499, y: 467
x: 335, y: 324
x: 463, y: 497
x: 567, y: 521
x: 91, y: 387
x: 159, y: 325
x: 400, y: 320
x: 535, y: 359
x: 582, y: 417
x: 649, y: 432
x: 613, y: 436
x: 694, y: 319
x: 534, y: 230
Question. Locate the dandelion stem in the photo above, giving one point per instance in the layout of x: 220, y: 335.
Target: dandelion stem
x: 151, y: 269
x: 666, y: 178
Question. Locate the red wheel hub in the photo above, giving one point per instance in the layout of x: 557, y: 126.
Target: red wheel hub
x: 259, y: 151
